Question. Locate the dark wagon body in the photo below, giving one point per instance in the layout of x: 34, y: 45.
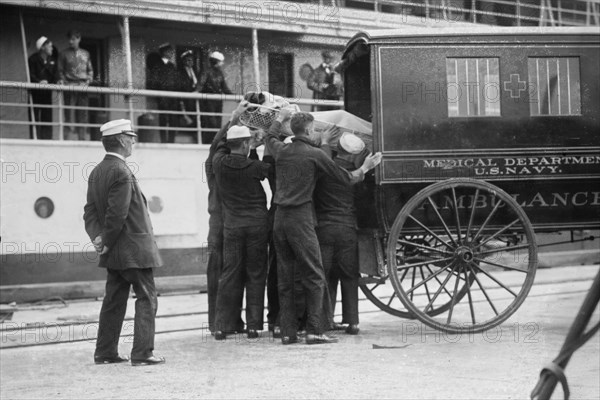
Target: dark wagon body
x: 492, y: 134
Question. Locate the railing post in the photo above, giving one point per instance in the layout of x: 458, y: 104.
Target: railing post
x: 128, y: 65
x: 255, y: 57
x: 198, y: 122
x: 61, y: 115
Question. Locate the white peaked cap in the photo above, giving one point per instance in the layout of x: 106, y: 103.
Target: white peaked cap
x: 116, y: 127
x: 217, y: 56
x: 40, y: 42
x: 238, y: 132
x: 351, y: 143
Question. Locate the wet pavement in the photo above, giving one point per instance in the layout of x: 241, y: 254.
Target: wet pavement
x: 51, y: 354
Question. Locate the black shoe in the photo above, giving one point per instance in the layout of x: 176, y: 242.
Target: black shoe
x: 110, y: 360
x: 352, y: 329
x: 276, y: 332
x: 220, y: 335
x: 252, y: 334
x: 320, y: 339
x: 148, y: 361
x: 289, y: 340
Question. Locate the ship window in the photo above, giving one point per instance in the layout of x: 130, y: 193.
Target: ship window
x: 554, y: 86
x: 473, y: 87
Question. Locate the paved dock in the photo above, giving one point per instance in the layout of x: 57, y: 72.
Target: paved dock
x: 50, y: 355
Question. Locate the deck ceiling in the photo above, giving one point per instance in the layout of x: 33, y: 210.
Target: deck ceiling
x: 309, y: 21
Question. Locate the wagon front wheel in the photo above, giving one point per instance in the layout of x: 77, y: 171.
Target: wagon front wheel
x: 479, y: 262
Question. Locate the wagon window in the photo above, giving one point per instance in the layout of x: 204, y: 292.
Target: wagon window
x: 473, y: 87
x: 554, y: 86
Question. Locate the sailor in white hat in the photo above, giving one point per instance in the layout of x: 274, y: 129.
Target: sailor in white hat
x: 118, y: 138
x: 41, y: 42
x: 213, y: 81
x: 216, y: 55
x: 245, y: 233
x: 42, y: 70
x: 337, y: 234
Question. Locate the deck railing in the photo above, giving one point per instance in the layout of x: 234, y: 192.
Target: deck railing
x: 510, y: 12
x: 125, y: 103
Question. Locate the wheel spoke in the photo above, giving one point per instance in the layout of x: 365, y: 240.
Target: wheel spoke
x: 458, y: 230
x: 469, y: 296
x: 420, y: 264
x: 495, y: 235
x: 482, y: 289
x: 499, y: 265
x: 472, y: 214
x: 425, y: 280
x: 442, y: 221
x: 374, y: 287
x: 513, y: 248
x: 426, y: 287
x: 421, y: 246
x: 391, y: 298
x: 431, y: 232
x: 494, y: 279
x: 412, y: 283
x: 438, y: 281
x: 489, y: 217
x: 453, y: 300
x: 437, y: 293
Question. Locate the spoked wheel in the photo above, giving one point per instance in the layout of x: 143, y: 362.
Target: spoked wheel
x: 379, y: 291
x: 477, y: 262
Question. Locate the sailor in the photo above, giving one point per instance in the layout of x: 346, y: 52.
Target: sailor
x: 337, y: 232
x: 245, y: 234
x: 298, y: 166
x: 215, y: 225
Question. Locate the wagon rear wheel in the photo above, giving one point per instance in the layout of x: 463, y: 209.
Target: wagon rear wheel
x: 380, y: 290
x: 479, y: 261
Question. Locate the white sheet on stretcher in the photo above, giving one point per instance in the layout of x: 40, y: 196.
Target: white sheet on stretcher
x: 346, y: 122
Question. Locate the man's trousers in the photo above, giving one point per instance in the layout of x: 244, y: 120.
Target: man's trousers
x: 297, y: 247
x: 244, y: 266
x: 114, y: 307
x: 339, y: 250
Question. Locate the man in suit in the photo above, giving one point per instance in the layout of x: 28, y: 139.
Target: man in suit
x: 188, y: 82
x: 117, y: 221
x: 322, y: 82
x: 166, y: 78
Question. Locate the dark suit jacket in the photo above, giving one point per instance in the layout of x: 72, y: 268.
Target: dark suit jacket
x: 116, y: 209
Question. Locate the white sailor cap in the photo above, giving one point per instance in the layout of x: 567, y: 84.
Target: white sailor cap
x: 165, y: 46
x: 40, y: 42
x: 116, y: 127
x: 351, y: 143
x: 238, y: 132
x: 186, y: 53
x: 217, y: 56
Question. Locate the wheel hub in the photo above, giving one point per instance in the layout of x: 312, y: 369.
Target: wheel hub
x: 464, y: 254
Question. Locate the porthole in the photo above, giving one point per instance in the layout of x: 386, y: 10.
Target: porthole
x: 44, y: 207
x: 155, y: 204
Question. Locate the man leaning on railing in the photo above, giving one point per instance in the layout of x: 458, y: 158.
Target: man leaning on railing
x: 75, y: 68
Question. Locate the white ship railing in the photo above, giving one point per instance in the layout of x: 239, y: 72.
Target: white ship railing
x: 127, y: 96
